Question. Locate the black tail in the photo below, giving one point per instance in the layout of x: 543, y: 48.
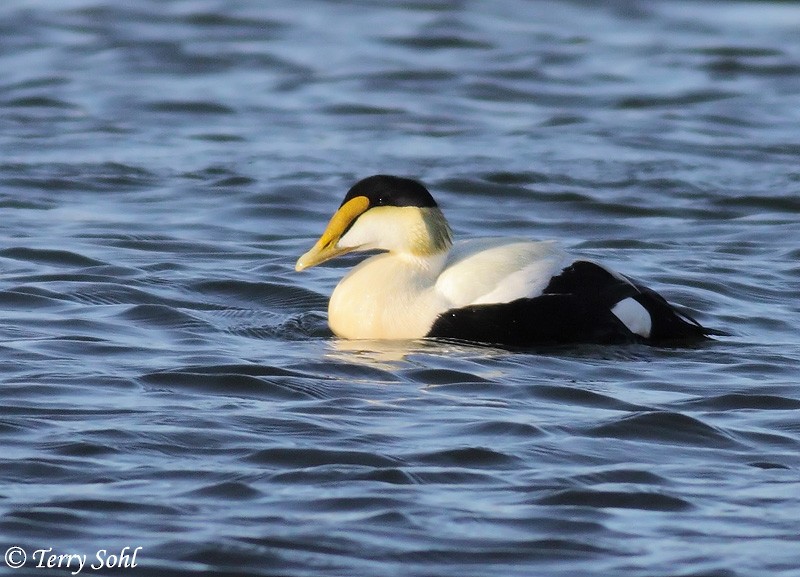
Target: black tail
x: 669, y: 324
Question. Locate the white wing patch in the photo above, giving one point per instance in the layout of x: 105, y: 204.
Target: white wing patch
x: 634, y: 316
x: 485, y: 271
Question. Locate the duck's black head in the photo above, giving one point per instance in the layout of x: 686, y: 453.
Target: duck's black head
x: 387, y: 190
x: 387, y: 213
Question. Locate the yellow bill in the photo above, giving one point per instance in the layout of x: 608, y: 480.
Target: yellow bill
x: 325, y: 248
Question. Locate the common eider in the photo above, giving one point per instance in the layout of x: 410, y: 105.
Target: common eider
x: 513, y: 292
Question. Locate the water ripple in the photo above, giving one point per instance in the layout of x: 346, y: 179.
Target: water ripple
x: 646, y: 501
x: 664, y: 427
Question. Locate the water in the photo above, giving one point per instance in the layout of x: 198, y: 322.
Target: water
x: 169, y: 382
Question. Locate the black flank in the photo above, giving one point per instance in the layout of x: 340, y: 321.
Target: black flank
x: 574, y: 308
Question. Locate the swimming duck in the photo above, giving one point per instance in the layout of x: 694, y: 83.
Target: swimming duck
x: 513, y: 292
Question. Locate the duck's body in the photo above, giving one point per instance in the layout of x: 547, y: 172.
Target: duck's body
x: 504, y: 291
x: 472, y: 272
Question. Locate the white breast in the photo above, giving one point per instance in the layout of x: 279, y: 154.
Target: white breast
x: 387, y: 297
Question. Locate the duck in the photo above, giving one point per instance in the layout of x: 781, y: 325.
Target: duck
x: 500, y: 291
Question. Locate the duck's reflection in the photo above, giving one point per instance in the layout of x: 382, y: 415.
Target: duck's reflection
x: 392, y: 355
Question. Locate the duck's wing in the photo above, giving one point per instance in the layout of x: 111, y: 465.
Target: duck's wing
x: 584, y: 302
x: 487, y: 271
